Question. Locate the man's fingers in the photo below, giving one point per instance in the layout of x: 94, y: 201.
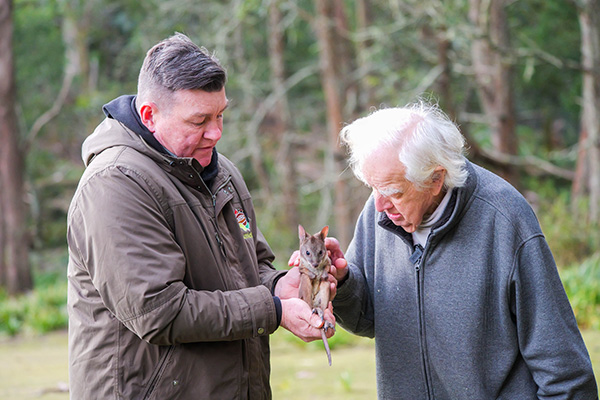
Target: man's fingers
x: 294, y: 259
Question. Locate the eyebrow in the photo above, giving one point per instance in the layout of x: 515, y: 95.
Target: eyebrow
x: 199, y: 115
x: 389, y: 191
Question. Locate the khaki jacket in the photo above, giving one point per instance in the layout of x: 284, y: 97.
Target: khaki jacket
x: 169, y: 281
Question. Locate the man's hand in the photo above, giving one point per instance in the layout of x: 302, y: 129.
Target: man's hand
x: 298, y: 318
x: 339, y: 265
x: 287, y: 286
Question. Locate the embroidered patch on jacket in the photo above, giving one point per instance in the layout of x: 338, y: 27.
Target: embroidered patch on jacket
x: 243, y: 223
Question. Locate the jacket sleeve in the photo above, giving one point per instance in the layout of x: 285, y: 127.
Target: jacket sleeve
x: 549, y: 338
x: 119, y: 230
x: 353, y: 303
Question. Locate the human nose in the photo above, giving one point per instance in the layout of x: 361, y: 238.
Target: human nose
x: 214, y: 131
x: 382, y: 202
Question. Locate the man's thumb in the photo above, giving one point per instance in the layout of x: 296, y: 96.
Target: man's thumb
x: 316, y: 321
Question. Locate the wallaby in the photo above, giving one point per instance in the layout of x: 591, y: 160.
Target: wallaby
x: 314, y: 270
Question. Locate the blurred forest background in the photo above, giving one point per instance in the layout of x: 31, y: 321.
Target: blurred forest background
x: 520, y: 77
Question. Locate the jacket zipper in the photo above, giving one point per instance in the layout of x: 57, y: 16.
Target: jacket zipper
x: 159, y: 373
x: 214, y: 205
x: 417, y: 259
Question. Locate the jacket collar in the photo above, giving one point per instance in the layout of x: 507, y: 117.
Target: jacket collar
x: 123, y: 110
x: 189, y: 171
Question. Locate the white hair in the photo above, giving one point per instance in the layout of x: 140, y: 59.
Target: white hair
x: 423, y: 135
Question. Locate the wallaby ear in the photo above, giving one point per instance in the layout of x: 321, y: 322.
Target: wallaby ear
x: 301, y: 232
x: 324, y: 232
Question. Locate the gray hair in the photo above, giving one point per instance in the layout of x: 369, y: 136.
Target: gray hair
x: 176, y: 63
x: 423, y: 135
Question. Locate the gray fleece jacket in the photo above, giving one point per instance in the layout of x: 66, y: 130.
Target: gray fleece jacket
x: 480, y: 314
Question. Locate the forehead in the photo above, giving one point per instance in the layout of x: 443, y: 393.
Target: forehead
x: 199, y: 101
x: 384, y: 169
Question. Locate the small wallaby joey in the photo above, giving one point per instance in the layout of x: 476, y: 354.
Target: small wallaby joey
x: 314, y: 270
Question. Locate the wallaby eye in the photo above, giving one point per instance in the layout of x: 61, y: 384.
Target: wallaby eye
x: 320, y: 253
x: 307, y: 252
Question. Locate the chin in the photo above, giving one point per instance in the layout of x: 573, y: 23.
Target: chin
x: 204, y: 160
x: 408, y: 227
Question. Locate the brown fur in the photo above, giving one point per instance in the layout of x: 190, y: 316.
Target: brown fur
x: 314, y: 271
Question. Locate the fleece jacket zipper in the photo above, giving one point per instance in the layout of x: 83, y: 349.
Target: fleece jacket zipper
x: 417, y: 259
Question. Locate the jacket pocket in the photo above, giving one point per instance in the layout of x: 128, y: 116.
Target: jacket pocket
x: 158, y: 373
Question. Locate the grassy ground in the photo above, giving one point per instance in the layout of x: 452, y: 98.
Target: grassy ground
x: 36, y: 368
x: 300, y: 370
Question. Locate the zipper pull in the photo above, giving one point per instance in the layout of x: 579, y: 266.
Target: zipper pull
x: 415, y: 258
x: 221, y: 244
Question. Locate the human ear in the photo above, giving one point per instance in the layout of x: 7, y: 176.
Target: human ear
x: 437, y: 180
x: 147, y: 115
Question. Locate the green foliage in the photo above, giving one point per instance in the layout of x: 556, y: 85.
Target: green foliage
x: 400, y: 54
x: 546, y: 63
x: 39, y: 54
x: 41, y: 311
x: 44, y: 309
x: 582, y: 284
x: 570, y: 237
x: 54, y: 180
x: 400, y: 47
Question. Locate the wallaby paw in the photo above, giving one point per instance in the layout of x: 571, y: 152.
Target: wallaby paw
x: 328, y: 325
x: 319, y: 312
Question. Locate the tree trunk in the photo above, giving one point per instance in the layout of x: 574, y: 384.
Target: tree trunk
x: 589, y: 20
x: 16, y: 274
x: 444, y: 82
x: 493, y: 74
x: 332, y: 86
x: 579, y: 188
x: 77, y: 21
x: 281, y: 116
x: 366, y: 92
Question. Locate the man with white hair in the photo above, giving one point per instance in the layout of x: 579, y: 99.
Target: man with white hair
x: 450, y: 272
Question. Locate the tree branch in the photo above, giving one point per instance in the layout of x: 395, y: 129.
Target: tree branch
x: 54, y: 110
x: 531, y: 162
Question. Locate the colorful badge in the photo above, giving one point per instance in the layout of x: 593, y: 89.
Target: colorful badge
x: 243, y: 223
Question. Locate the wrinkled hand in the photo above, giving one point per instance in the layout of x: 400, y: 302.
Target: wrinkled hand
x: 339, y: 265
x: 298, y: 318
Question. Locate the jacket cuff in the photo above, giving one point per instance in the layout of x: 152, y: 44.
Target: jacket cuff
x: 275, y: 280
x: 278, y: 310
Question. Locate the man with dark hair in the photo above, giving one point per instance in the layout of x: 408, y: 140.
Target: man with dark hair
x: 172, y: 291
